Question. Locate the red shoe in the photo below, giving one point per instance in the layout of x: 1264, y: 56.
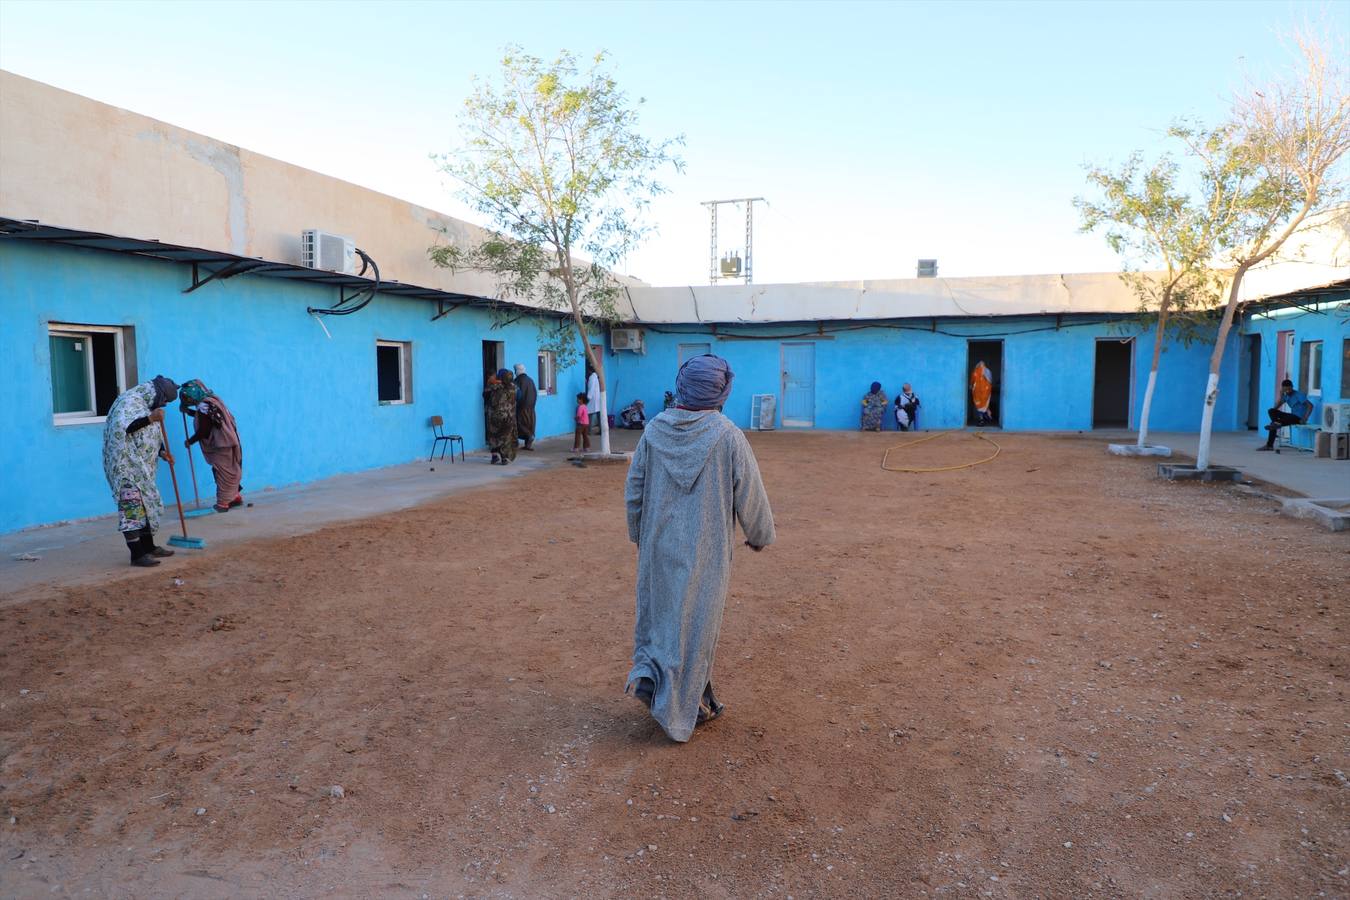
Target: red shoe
x: 237, y: 501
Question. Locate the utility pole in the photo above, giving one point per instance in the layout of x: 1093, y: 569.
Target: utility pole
x: 731, y: 265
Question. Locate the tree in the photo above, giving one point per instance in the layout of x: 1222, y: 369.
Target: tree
x: 1153, y: 223
x: 1290, y: 137
x: 552, y: 158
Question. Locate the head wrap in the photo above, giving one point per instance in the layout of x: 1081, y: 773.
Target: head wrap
x: 194, y: 392
x: 502, y: 373
x: 876, y: 386
x: 166, y: 391
x: 704, y: 382
x: 520, y: 368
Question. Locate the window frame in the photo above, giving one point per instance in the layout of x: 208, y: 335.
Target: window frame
x: 546, y: 370
x: 404, y: 372
x: 1345, y: 368
x: 72, y: 330
x: 681, y: 359
x: 1310, y: 368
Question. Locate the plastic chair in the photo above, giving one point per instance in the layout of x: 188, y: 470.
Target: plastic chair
x: 438, y: 433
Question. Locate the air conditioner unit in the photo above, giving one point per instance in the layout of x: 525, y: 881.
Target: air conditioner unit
x: 331, y: 252
x: 627, y: 339
x: 1336, y: 418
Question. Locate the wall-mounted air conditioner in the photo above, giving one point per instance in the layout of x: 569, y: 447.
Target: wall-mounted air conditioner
x: 627, y: 339
x: 331, y: 252
x: 1336, y: 418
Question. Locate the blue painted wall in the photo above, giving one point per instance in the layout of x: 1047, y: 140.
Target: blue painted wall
x: 306, y: 403
x: 1327, y: 321
x: 1047, y: 371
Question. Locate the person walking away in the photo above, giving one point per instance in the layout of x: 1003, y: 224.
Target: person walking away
x: 982, y: 393
x: 215, y: 431
x: 527, y: 394
x: 132, y: 440
x: 1300, y: 408
x: 907, y: 409
x: 500, y: 399
x: 692, y: 477
x: 873, y: 407
x: 581, y: 438
x: 593, y: 397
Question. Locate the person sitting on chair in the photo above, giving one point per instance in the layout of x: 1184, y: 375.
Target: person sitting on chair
x: 1300, y: 407
x: 633, y: 416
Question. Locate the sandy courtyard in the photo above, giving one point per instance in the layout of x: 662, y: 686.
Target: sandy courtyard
x: 1050, y: 675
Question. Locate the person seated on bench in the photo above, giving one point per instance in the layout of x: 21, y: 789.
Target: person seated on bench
x: 1300, y: 407
x: 633, y: 416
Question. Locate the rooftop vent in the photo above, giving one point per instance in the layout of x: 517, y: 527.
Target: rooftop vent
x: 928, y: 268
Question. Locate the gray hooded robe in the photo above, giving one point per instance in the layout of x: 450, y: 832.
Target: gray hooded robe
x: 691, y: 475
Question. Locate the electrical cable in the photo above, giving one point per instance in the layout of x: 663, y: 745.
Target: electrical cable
x: 367, y: 293
x: 937, y: 434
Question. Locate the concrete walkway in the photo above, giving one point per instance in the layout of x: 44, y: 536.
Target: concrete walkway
x: 1293, y: 470
x: 90, y: 550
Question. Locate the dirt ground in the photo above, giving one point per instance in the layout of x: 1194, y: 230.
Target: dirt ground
x: 1051, y: 675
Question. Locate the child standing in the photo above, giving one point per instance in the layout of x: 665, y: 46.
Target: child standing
x: 581, y: 439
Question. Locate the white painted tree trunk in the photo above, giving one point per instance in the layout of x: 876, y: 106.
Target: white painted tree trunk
x: 604, y: 418
x: 1215, y: 361
x: 1207, y: 421
x: 1148, y: 404
x: 1158, y: 335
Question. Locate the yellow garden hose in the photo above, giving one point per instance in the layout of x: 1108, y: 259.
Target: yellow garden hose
x: 929, y: 437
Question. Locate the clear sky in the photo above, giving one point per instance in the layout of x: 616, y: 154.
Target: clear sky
x: 879, y: 132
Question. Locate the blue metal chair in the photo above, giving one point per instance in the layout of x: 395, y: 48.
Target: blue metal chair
x: 438, y: 433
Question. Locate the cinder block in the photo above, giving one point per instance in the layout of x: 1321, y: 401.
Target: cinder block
x: 1180, y: 472
x: 1136, y: 450
x: 1332, y: 513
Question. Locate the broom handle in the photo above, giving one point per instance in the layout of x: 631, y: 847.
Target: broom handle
x: 174, y: 475
x: 192, y: 467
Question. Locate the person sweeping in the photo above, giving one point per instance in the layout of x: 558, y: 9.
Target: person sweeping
x: 693, y: 476
x: 132, y: 441
x: 214, y: 430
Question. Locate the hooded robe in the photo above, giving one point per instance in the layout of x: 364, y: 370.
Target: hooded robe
x: 692, y: 477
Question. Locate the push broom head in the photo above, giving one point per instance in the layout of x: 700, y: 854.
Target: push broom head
x: 190, y: 543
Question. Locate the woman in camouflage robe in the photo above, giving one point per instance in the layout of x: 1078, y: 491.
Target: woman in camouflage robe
x: 500, y: 399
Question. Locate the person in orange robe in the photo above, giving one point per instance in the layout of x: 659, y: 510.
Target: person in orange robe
x: 982, y: 392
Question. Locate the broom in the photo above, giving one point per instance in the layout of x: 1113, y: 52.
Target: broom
x: 197, y: 508
x: 191, y: 543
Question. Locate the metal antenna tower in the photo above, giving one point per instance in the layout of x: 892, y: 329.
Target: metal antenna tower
x: 731, y: 266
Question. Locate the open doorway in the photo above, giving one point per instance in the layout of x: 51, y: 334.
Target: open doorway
x: 494, y: 360
x: 984, y: 389
x: 1112, y: 378
x: 1250, y: 386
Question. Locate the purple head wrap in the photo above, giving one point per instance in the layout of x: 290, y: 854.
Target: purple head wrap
x: 704, y: 382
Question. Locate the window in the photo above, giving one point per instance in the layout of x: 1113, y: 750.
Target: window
x: 689, y: 351
x: 1345, y: 369
x: 393, y: 370
x: 548, y: 372
x: 1310, y: 368
x: 89, y: 367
